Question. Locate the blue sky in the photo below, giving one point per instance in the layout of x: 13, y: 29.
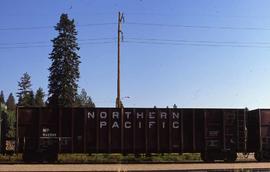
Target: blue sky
x: 218, y: 53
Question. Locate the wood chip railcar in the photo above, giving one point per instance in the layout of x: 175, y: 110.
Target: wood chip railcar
x: 218, y: 134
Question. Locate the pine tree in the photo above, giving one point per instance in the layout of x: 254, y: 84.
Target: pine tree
x: 84, y: 100
x: 2, y: 97
x: 11, y: 105
x: 30, y: 99
x: 25, y: 93
x: 39, y: 97
x: 64, y: 69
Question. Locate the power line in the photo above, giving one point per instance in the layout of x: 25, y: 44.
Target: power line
x: 199, y: 15
x: 196, y: 44
x: 96, y: 24
x: 146, y: 42
x: 46, y: 46
x: 46, y: 42
x: 26, y: 28
x: 19, y: 47
x: 199, y: 26
x: 143, y: 24
x: 149, y: 39
x: 95, y: 39
x: 153, y: 41
x: 24, y: 43
x: 197, y: 41
x: 50, y: 27
x: 91, y: 43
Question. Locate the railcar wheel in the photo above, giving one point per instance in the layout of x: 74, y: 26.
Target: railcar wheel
x: 230, y: 157
x: 203, y: 157
x: 28, y: 157
x: 206, y: 158
x: 258, y: 156
x: 52, y: 158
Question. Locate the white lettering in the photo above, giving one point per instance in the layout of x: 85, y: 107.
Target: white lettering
x: 163, y: 115
x: 175, y: 115
x: 151, y: 115
x: 103, y: 115
x: 163, y: 124
x: 128, y: 114
x: 115, y: 115
x: 49, y: 134
x: 151, y: 123
x: 139, y: 114
x: 128, y: 124
x: 102, y: 124
x: 115, y: 125
x: 175, y: 124
x: 140, y: 124
x: 91, y: 115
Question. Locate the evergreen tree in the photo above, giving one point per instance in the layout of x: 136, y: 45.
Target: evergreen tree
x: 64, y: 69
x: 11, y: 105
x: 39, y: 97
x: 11, y: 122
x: 30, y: 99
x: 174, y: 106
x: 25, y: 93
x: 2, y: 97
x: 84, y: 100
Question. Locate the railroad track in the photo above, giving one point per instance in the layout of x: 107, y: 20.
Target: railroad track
x: 240, y: 166
x: 127, y: 162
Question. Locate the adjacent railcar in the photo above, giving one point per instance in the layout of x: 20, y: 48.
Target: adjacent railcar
x: 258, y: 125
x: 42, y: 132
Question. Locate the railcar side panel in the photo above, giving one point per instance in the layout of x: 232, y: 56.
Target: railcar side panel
x: 265, y: 129
x: 115, y: 126
x: 103, y: 130
x: 91, y: 131
x: 175, y: 130
x: 188, y: 130
x: 151, y: 130
x: 253, y: 135
x: 213, y: 130
x: 164, y: 130
x: 198, y: 130
x: 65, y: 130
x: 28, y: 133
x: 128, y: 130
x: 78, y: 130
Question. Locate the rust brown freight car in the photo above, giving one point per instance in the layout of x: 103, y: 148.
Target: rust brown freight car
x: 258, y: 125
x: 42, y: 133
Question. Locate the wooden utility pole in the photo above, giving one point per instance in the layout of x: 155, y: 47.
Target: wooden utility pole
x: 120, y: 36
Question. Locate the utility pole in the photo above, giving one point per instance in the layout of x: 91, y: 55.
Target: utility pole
x: 120, y: 37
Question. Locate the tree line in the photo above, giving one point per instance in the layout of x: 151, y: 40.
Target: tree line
x: 63, y: 78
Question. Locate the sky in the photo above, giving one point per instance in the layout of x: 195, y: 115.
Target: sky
x: 192, y: 53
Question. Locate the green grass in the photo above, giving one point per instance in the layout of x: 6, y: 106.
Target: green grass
x: 111, y: 158
x: 119, y: 158
x: 11, y: 158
